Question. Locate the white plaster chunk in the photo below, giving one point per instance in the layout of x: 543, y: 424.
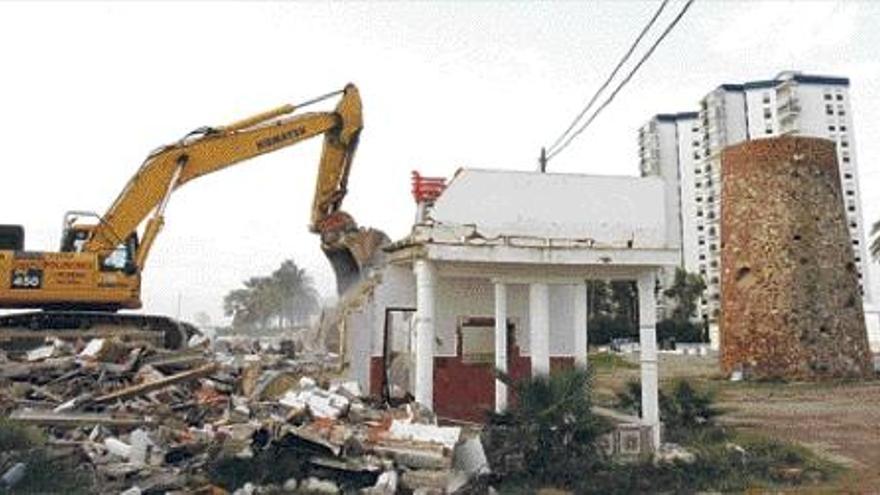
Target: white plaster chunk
x: 447, y: 436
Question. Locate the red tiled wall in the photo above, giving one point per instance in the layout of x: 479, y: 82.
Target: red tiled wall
x: 466, y: 391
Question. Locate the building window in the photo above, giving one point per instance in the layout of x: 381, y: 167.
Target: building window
x: 845, y: 159
x: 766, y: 98
x: 843, y: 128
x: 844, y: 144
x: 829, y: 110
x: 850, y: 208
x: 850, y: 192
x: 767, y: 113
x: 699, y: 199
x: 855, y: 242
x: 847, y: 175
x: 702, y: 257
x: 697, y: 157
x: 768, y: 131
x: 839, y: 97
x: 831, y: 128
x: 853, y: 225
x: 827, y: 96
x: 700, y: 228
x: 841, y: 112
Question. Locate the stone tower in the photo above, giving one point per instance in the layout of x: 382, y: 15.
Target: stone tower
x: 790, y: 300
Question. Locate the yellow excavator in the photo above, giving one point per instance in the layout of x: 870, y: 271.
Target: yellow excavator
x: 97, y: 271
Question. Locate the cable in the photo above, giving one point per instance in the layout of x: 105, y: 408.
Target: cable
x: 625, y: 80
x: 610, y: 77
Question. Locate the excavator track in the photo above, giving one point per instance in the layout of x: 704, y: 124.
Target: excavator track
x: 24, y: 330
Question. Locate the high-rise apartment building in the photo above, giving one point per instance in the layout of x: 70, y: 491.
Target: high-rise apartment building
x: 685, y: 150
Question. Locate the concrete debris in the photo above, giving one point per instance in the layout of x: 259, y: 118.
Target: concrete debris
x: 241, y: 419
x: 92, y: 349
x: 671, y: 452
x: 470, y: 457
x: 14, y: 475
x: 117, y: 447
x: 41, y: 353
x: 447, y: 436
x: 290, y: 485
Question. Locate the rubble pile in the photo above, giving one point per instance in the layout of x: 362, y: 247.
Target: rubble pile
x: 138, y: 419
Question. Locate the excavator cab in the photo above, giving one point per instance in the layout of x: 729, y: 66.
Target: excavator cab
x: 11, y: 238
x: 75, y: 236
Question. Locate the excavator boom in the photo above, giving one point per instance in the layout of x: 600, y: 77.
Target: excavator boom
x: 209, y: 150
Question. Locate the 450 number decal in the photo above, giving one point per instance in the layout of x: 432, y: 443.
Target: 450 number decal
x: 27, y: 279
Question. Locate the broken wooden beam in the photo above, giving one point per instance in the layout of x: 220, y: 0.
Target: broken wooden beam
x: 75, y: 419
x: 147, y: 387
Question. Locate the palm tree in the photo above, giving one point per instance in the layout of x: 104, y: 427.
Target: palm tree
x: 299, y: 298
x: 286, y: 298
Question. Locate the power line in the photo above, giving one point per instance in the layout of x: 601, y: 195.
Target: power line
x: 611, y: 76
x: 625, y: 80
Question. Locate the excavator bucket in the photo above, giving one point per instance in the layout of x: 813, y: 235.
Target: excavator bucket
x: 350, y: 249
x: 353, y: 254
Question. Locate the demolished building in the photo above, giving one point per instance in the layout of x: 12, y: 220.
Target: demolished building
x: 493, y: 277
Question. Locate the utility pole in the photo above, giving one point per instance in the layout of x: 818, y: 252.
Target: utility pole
x: 542, y: 160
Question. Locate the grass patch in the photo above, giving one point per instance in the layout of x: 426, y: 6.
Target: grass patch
x: 609, y: 361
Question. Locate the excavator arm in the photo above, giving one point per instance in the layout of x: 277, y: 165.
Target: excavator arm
x: 211, y: 149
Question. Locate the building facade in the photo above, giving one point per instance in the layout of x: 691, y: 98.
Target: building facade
x: 493, y: 276
x: 685, y: 150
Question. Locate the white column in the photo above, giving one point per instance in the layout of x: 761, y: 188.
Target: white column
x: 648, y: 346
x: 539, y: 324
x: 425, y: 294
x: 500, y: 345
x: 580, y: 325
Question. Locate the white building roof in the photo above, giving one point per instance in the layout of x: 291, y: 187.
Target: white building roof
x: 608, y: 211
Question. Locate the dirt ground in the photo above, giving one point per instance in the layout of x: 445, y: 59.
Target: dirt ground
x: 840, y: 421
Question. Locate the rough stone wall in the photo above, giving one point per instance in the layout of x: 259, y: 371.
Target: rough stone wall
x: 790, y: 300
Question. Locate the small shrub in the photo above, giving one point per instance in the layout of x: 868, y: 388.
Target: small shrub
x: 604, y: 328
x: 551, y: 428
x: 684, y: 411
x: 680, y: 331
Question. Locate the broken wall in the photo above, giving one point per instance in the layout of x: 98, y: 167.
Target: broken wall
x: 791, y: 306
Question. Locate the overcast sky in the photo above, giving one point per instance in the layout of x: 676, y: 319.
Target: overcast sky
x: 88, y: 89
